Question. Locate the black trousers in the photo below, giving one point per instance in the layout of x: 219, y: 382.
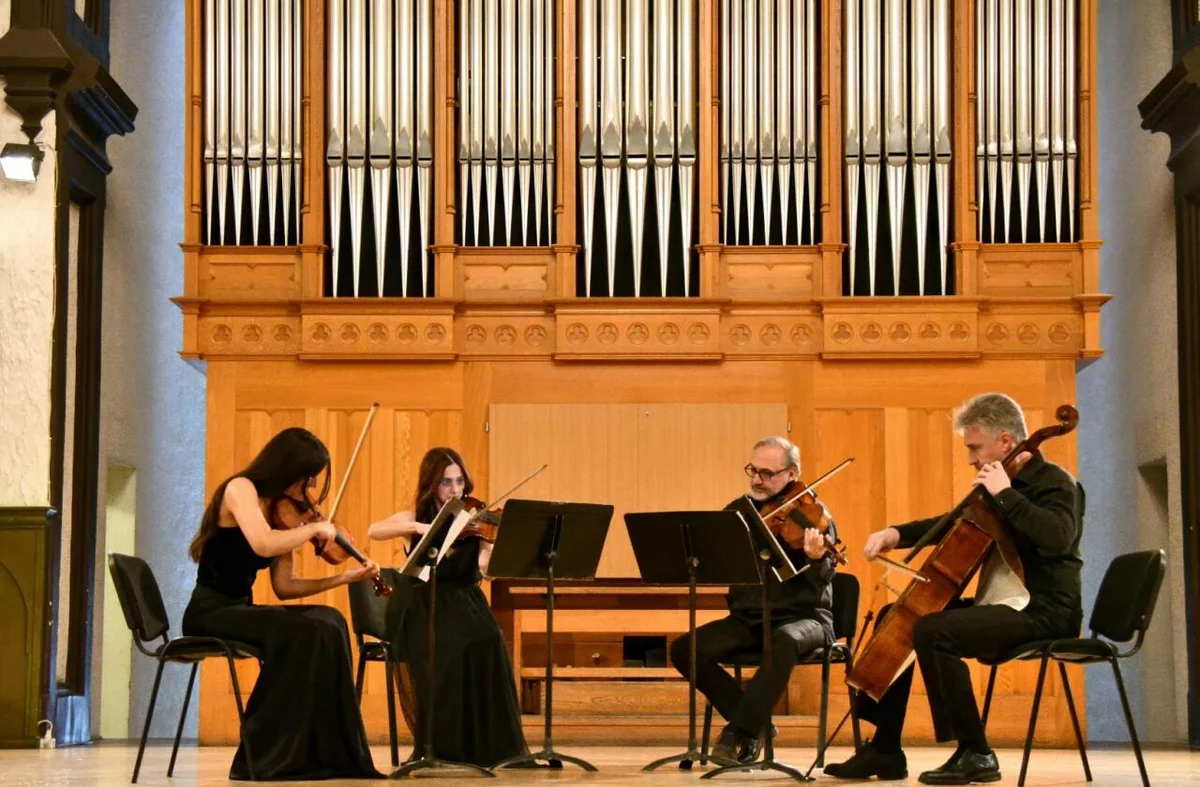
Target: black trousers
x: 747, y: 709
x: 941, y: 641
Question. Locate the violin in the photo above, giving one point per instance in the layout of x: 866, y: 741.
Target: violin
x: 337, y: 551
x: 484, y: 523
x: 803, y: 498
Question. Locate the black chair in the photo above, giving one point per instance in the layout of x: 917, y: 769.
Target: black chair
x: 1122, y: 614
x: 142, y: 603
x: 845, y: 628
x: 368, y: 617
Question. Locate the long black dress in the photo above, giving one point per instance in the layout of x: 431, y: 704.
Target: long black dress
x: 476, y: 718
x: 302, y: 719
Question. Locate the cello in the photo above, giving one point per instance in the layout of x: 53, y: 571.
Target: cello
x: 966, y: 536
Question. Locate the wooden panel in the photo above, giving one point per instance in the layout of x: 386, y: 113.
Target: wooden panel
x: 644, y: 436
x: 628, y: 455
x: 24, y: 666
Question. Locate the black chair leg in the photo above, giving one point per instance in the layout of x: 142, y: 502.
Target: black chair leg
x: 391, y: 698
x: 1133, y: 737
x: 706, y: 736
x: 237, y: 695
x: 987, y: 698
x: 358, y: 680
x: 1033, y: 714
x: 822, y: 718
x: 187, y: 698
x: 1062, y: 671
x: 137, y: 765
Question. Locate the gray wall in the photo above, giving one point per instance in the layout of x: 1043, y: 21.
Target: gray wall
x: 153, y: 402
x: 1128, y: 400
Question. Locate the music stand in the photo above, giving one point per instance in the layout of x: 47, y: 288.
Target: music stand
x: 541, y: 540
x: 422, y: 561
x: 771, y: 556
x: 691, y: 548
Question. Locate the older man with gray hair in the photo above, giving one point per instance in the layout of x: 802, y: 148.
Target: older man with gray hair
x: 1042, y: 507
x: 801, y: 615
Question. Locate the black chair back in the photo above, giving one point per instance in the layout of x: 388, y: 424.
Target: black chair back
x: 369, y: 612
x: 1128, y: 594
x: 140, y: 598
x: 845, y: 606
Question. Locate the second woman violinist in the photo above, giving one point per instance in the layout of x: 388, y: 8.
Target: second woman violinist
x: 478, y: 719
x: 801, y: 611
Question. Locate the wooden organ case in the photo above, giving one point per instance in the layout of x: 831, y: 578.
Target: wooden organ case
x: 629, y: 238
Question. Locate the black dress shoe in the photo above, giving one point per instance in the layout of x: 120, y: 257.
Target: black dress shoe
x: 965, y: 767
x: 751, y: 747
x: 869, y: 761
x: 727, y: 747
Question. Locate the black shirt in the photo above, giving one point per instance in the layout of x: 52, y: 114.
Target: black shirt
x: 808, y: 595
x: 228, y: 564
x: 1044, y: 513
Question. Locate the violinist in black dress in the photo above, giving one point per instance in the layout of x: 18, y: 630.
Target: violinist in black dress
x: 476, y: 716
x: 801, y: 616
x: 302, y: 719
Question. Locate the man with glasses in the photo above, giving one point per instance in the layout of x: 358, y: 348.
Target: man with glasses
x: 801, y: 616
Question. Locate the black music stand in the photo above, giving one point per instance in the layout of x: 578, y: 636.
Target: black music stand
x: 771, y: 557
x: 691, y: 548
x: 427, y: 554
x: 541, y: 540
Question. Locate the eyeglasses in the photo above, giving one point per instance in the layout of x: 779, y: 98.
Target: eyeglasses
x: 763, y: 473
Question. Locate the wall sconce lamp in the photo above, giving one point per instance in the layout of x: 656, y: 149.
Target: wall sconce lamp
x: 21, y: 162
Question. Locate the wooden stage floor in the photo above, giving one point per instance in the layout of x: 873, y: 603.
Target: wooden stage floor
x: 112, y: 764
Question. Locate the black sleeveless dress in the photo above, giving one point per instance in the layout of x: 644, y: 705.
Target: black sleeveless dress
x: 302, y: 718
x: 476, y: 717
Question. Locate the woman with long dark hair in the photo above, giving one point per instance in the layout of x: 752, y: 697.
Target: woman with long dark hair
x: 302, y: 719
x: 476, y: 717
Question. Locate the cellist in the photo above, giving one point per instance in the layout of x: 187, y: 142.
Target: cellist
x: 1042, y: 507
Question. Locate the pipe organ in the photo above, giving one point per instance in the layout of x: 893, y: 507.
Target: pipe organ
x: 898, y: 134
x: 639, y: 141
x: 1026, y: 152
x: 769, y: 115
x: 379, y: 116
x: 637, y: 126
x: 252, y: 134
x: 506, y: 89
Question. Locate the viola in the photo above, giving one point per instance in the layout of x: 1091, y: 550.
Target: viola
x: 301, y: 512
x: 803, y: 498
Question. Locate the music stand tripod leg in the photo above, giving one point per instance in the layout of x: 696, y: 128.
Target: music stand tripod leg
x: 427, y: 758
x: 548, y: 753
x: 768, y: 762
x: 692, y: 754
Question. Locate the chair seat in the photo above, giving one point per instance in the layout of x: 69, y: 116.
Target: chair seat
x: 373, y: 650
x: 191, y: 649
x: 838, y: 655
x: 1077, y: 651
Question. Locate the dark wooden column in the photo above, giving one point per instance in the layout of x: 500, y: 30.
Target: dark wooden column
x: 1173, y: 107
